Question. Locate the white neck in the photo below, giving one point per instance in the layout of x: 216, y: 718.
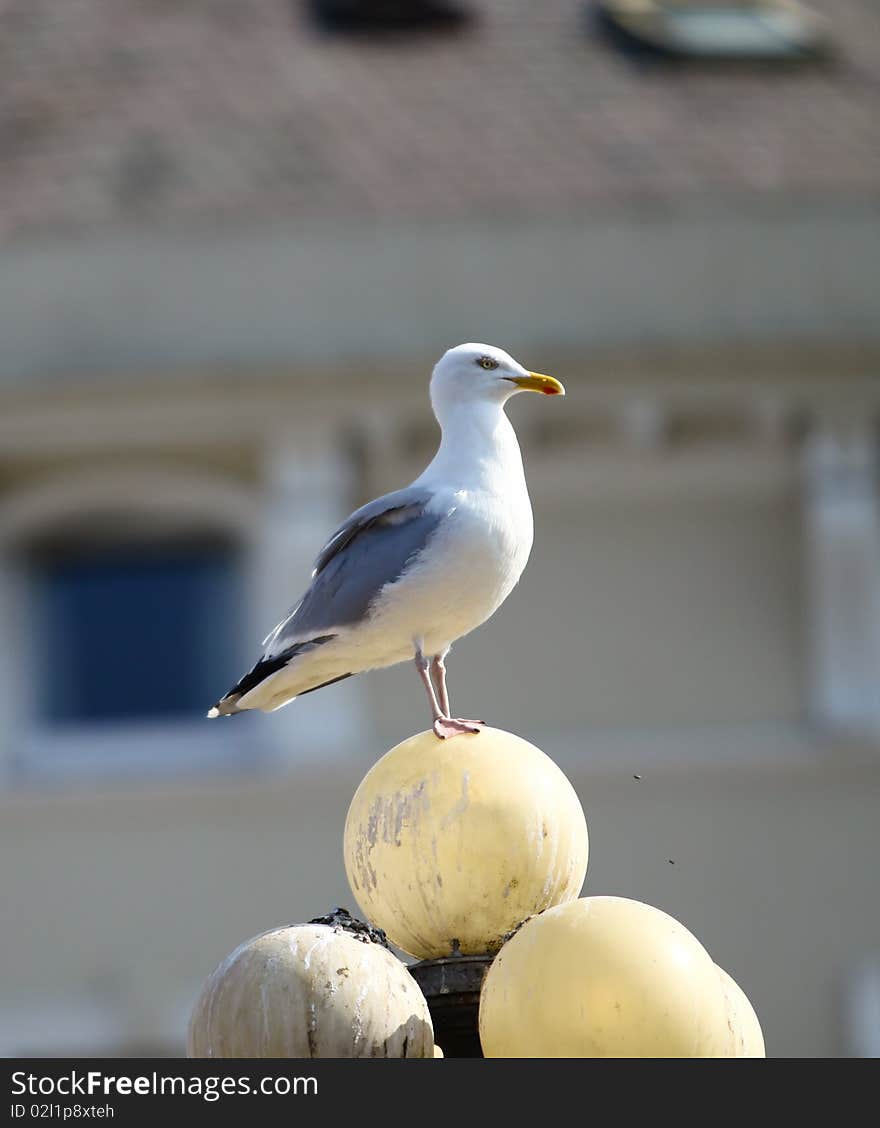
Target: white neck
x: 478, y: 449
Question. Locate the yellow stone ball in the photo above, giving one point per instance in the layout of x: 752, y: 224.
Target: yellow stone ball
x: 604, y: 977
x: 449, y: 845
x: 310, y: 991
x: 748, y: 1036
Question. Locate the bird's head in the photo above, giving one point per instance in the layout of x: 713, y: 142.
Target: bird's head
x: 475, y: 373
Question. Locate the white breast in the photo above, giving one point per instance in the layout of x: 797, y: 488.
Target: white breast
x: 470, y: 566
x: 475, y: 556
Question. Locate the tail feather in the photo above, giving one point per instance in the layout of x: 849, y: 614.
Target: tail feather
x: 227, y: 706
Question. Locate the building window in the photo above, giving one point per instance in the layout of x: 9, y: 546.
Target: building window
x: 783, y: 30
x: 123, y: 642
x: 380, y: 17
x: 132, y: 600
x: 134, y: 634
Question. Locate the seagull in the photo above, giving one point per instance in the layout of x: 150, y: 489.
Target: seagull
x: 407, y: 575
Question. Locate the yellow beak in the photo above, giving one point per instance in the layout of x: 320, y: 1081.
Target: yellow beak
x: 536, y: 382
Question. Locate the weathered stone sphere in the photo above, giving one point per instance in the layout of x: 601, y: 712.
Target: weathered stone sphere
x: 748, y: 1036
x: 310, y: 991
x: 604, y: 977
x: 451, y: 844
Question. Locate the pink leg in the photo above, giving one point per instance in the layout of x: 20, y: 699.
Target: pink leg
x: 446, y: 726
x: 438, y: 677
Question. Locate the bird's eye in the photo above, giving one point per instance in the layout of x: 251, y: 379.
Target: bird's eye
x: 487, y: 362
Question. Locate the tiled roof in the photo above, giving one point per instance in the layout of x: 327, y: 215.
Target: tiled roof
x: 115, y: 112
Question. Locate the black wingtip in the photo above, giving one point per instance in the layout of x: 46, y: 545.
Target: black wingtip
x: 264, y: 668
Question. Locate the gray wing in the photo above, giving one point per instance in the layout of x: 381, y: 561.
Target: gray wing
x: 368, y: 551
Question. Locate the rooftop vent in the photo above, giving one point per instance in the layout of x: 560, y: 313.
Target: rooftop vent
x: 377, y: 17
x: 736, y: 30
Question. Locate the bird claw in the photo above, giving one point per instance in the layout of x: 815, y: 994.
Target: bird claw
x: 445, y: 728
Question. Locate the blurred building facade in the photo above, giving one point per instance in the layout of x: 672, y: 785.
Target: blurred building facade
x: 234, y: 244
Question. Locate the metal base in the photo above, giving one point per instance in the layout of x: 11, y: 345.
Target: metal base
x: 452, y: 988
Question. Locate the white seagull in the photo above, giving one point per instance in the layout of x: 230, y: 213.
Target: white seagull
x: 411, y: 572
